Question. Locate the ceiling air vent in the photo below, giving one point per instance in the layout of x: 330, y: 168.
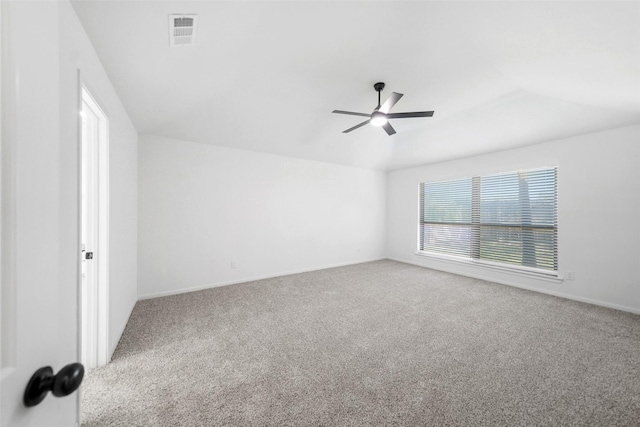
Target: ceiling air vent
x: 182, y: 30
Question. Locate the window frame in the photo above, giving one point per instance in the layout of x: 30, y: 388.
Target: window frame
x: 522, y: 270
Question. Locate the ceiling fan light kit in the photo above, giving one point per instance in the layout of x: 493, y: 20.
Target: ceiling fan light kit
x: 378, y: 119
x: 381, y: 115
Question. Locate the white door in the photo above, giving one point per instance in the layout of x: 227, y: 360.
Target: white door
x: 39, y: 214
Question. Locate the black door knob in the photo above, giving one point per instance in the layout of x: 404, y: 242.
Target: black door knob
x: 65, y: 382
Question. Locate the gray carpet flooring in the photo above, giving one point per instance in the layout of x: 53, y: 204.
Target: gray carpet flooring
x: 374, y: 344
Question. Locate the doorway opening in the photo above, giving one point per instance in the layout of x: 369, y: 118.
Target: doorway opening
x: 94, y: 236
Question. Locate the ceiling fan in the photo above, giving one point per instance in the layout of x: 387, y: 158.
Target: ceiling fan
x: 380, y: 115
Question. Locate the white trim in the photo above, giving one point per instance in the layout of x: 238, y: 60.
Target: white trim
x: 249, y: 279
x: 2, y: 59
x: 103, y: 243
x: 3, y: 372
x: 79, y: 348
x: 102, y: 212
x: 551, y: 276
x: 529, y: 288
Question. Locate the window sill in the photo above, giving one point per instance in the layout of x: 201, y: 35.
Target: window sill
x: 552, y: 277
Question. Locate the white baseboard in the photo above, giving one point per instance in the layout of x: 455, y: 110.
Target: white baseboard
x: 248, y: 279
x: 530, y: 288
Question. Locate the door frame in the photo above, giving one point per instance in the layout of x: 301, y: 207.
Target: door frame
x: 2, y: 216
x: 86, y: 95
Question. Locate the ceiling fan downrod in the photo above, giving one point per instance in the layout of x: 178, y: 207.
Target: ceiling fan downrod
x: 378, y: 87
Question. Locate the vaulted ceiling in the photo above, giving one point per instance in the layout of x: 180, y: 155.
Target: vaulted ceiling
x: 265, y: 75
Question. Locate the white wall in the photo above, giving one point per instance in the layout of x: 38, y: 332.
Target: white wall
x: 202, y: 207
x: 77, y: 55
x: 598, y: 214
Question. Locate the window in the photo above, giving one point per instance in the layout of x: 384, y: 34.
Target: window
x: 509, y: 219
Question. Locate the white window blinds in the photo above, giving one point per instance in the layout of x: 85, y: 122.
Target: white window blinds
x: 509, y: 218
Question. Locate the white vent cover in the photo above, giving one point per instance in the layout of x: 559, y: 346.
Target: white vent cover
x: 182, y: 30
